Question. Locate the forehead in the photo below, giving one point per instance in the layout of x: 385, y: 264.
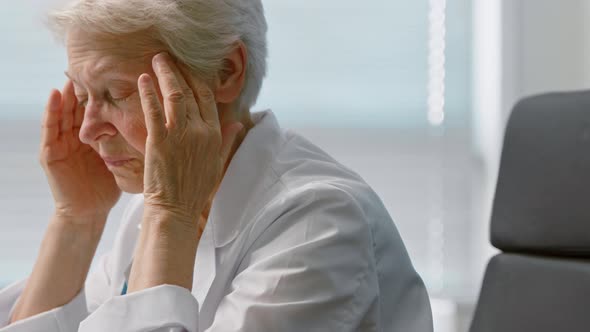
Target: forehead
x: 92, y: 55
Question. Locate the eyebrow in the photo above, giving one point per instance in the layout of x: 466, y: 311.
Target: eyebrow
x: 115, y: 80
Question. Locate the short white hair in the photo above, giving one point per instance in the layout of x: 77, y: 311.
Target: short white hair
x: 199, y: 33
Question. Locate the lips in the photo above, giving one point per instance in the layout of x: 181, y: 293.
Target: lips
x: 115, y: 161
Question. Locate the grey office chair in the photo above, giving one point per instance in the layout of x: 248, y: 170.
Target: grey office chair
x: 541, y: 221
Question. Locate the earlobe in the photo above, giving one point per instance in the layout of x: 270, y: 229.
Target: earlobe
x: 230, y: 79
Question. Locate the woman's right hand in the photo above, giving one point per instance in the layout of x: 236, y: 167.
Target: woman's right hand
x: 82, y: 186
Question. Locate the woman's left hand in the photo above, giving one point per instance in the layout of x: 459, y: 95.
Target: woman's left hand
x: 186, y: 147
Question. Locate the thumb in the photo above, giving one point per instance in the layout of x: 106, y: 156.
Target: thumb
x: 229, y: 134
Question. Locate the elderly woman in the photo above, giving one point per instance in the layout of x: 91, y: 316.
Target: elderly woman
x: 236, y: 225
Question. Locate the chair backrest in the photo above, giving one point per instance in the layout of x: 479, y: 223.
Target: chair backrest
x: 541, y: 221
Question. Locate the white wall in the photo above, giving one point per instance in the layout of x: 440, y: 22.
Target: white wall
x: 521, y: 48
x: 546, y: 47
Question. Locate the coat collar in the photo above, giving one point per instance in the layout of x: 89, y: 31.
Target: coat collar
x: 247, y: 177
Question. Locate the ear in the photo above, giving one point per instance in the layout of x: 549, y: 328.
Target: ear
x: 230, y: 79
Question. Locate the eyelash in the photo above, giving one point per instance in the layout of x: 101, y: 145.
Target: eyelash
x: 115, y: 101
x: 82, y: 102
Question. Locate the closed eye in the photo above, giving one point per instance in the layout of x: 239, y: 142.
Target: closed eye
x: 82, y: 101
x: 117, y: 100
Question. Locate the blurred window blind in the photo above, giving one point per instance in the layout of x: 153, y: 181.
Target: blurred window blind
x: 338, y: 62
x: 361, y: 63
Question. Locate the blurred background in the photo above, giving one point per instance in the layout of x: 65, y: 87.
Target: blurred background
x: 413, y: 95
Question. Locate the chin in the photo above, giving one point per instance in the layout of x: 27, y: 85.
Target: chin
x: 130, y: 186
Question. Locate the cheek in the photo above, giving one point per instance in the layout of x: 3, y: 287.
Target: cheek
x: 133, y: 128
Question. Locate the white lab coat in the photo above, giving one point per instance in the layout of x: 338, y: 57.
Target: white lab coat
x: 294, y: 242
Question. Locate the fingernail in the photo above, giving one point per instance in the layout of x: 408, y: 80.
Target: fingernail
x: 55, y: 102
x: 145, y: 79
x: 160, y: 59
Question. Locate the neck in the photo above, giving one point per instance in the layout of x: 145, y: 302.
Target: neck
x: 226, y: 117
x: 229, y: 116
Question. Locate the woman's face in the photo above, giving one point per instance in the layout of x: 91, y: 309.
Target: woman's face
x: 105, y: 71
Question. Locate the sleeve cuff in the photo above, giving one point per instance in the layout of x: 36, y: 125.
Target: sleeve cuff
x: 150, y: 309
x: 8, y: 298
x: 62, y: 319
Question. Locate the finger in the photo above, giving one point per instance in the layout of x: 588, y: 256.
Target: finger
x: 207, y: 106
x: 174, y: 98
x: 152, y: 109
x: 205, y: 99
x: 68, y: 107
x: 51, y: 118
x: 192, y: 107
x: 78, y: 119
x: 229, y: 134
x: 78, y: 113
x: 193, y: 85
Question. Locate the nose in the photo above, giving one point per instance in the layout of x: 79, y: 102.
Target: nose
x: 96, y: 125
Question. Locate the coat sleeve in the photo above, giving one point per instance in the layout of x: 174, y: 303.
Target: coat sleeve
x: 166, y: 308
x: 66, y: 318
x: 97, y: 290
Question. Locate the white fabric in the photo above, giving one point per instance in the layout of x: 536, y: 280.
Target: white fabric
x: 294, y: 242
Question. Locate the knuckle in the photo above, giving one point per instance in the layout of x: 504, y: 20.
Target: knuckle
x: 171, y: 125
x: 149, y: 96
x: 44, y: 156
x: 150, y: 93
x: 175, y: 96
x: 203, y: 131
x: 205, y: 94
x: 214, y: 137
x: 188, y: 92
x: 154, y: 105
x: 164, y: 68
x: 154, y: 114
